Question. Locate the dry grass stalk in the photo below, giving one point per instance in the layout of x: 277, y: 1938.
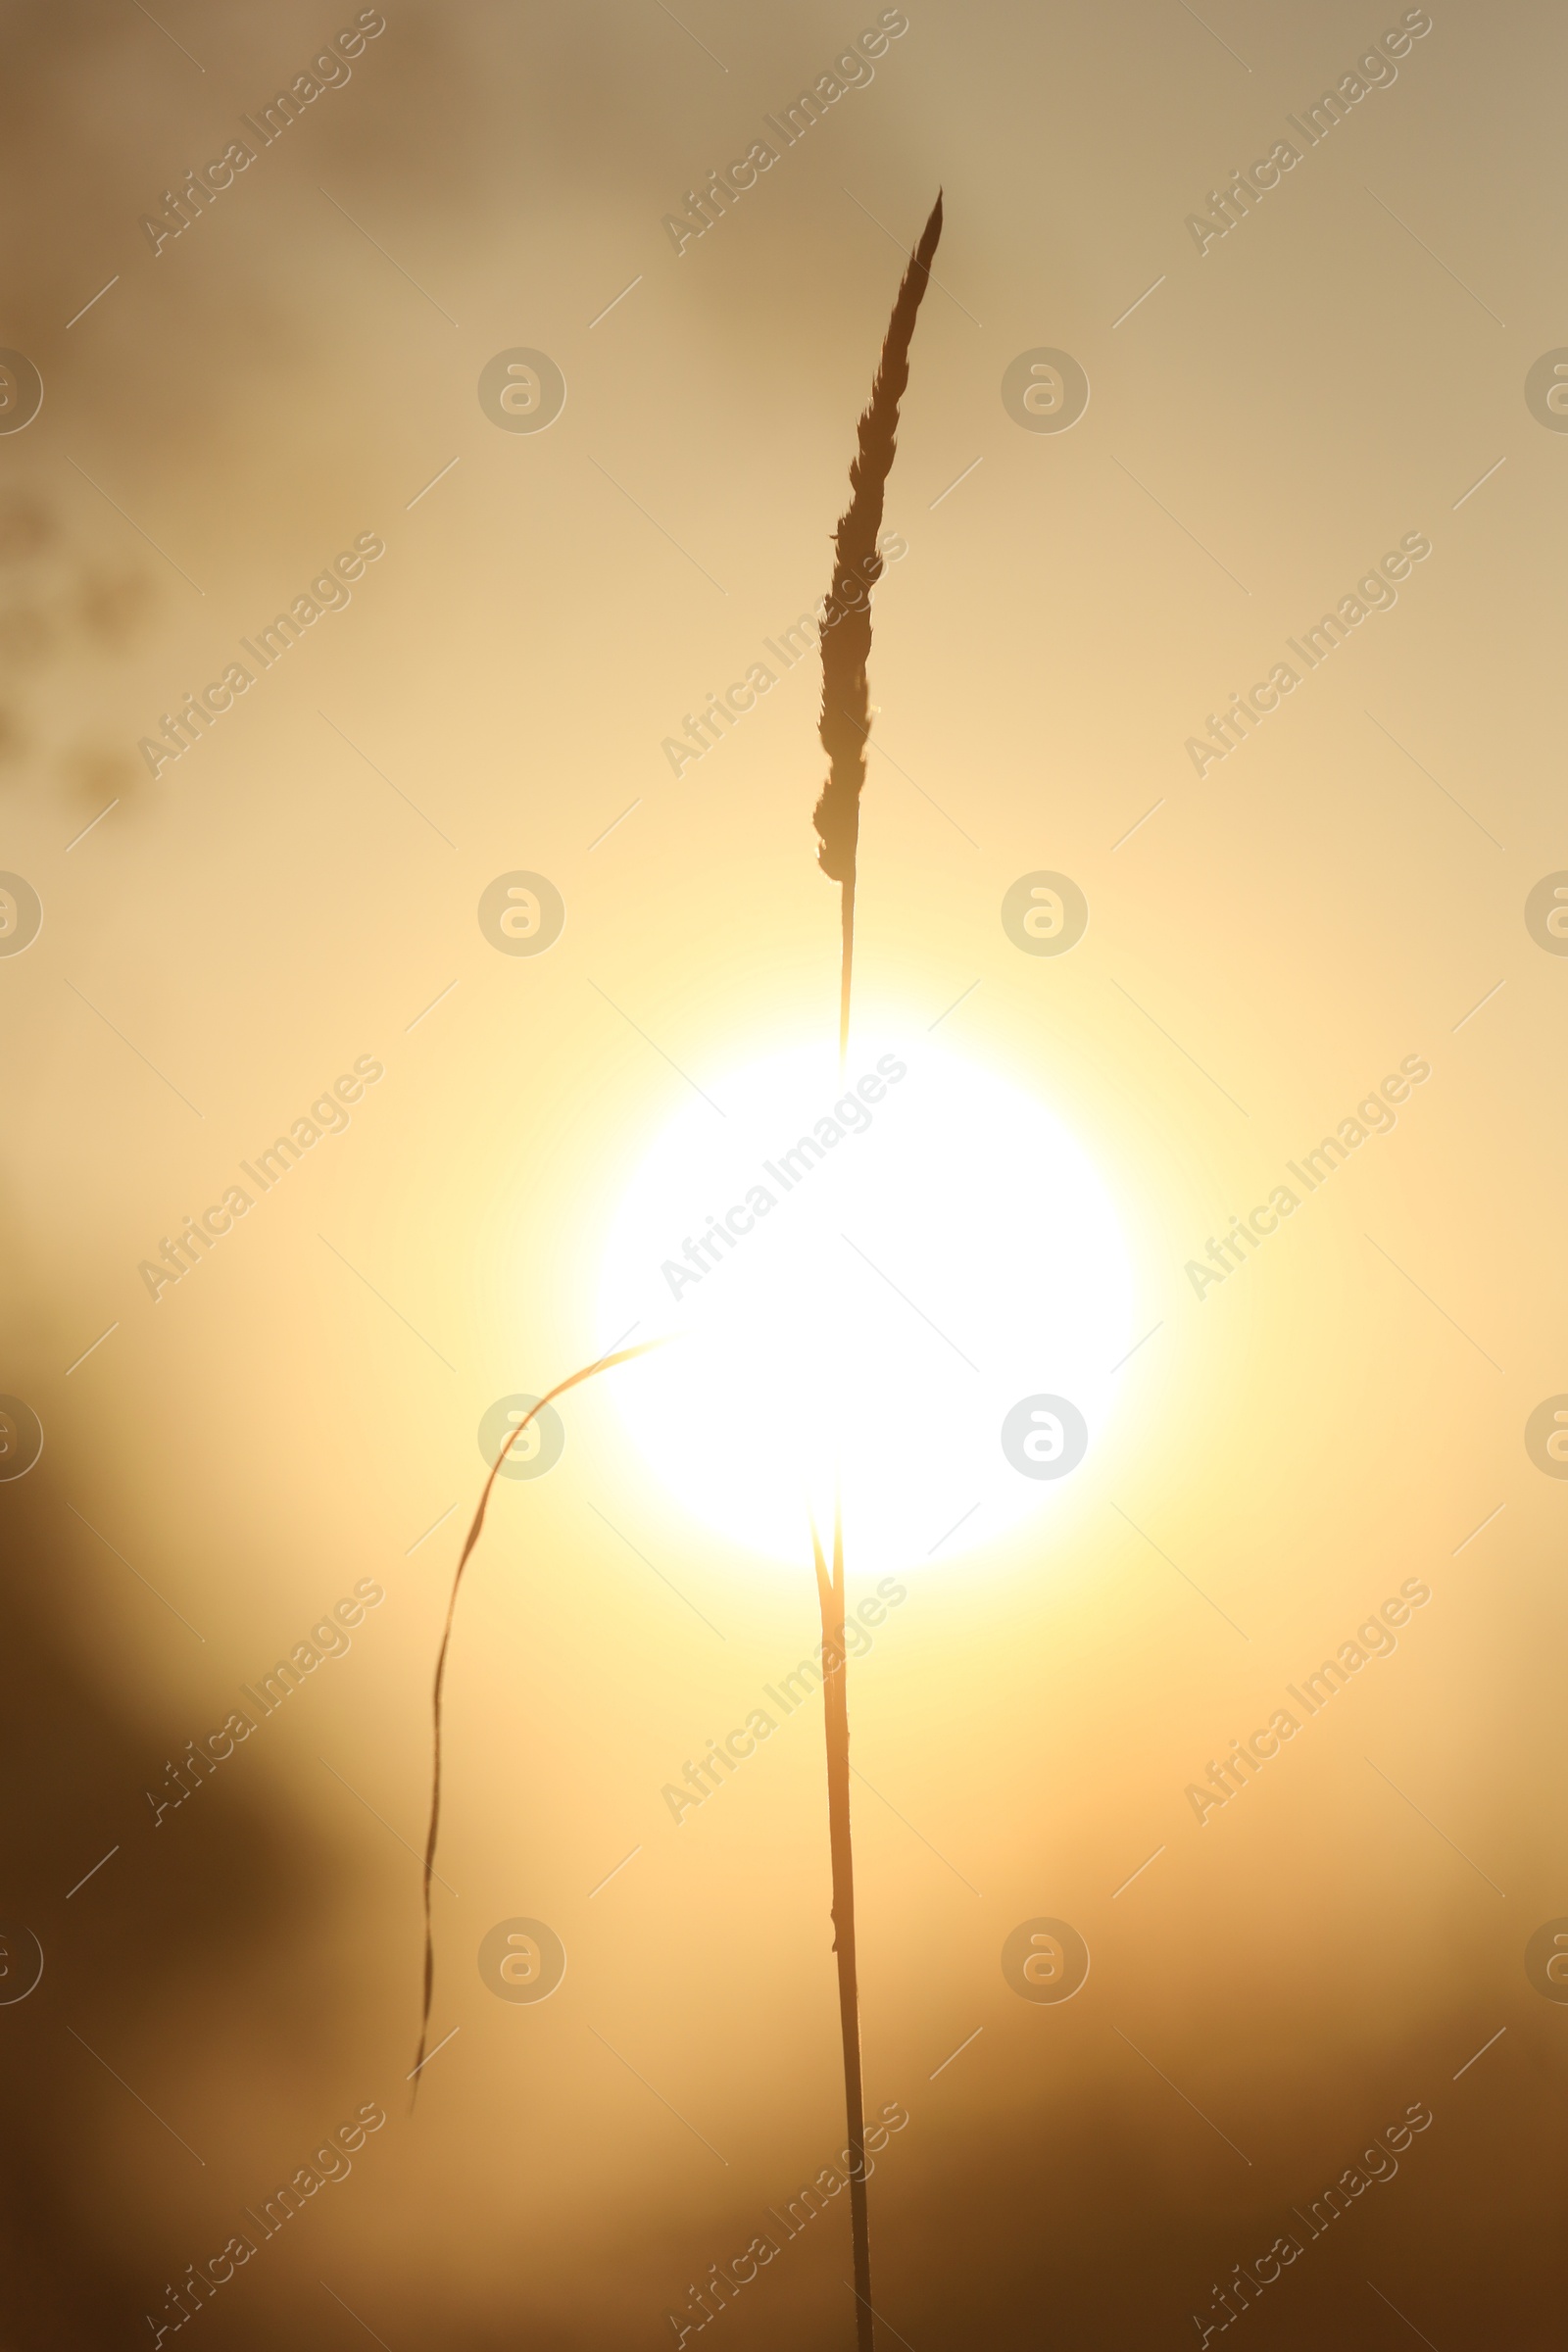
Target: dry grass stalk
x: 836, y: 1722
x: 846, y: 721
x: 844, y: 726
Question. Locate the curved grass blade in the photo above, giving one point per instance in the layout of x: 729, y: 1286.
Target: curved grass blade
x: 605, y: 1363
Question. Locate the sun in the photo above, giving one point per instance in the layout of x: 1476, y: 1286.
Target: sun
x: 909, y: 1279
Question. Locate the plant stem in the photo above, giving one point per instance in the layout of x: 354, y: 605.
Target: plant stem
x: 846, y: 967
x: 836, y: 1719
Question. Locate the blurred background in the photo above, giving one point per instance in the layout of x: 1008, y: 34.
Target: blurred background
x: 229, y: 1980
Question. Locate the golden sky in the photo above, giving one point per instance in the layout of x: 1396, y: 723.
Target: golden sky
x: 293, y: 405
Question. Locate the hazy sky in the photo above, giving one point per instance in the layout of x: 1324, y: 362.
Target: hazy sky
x: 297, y: 403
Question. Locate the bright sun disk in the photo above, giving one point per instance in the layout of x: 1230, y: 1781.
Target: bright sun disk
x: 864, y: 1276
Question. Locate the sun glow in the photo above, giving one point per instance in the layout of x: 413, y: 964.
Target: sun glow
x: 866, y: 1277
